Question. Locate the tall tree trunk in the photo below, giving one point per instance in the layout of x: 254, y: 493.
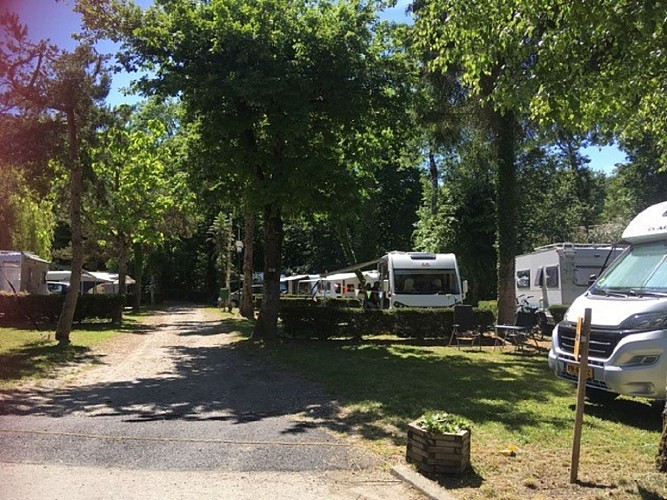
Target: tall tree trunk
x: 138, y: 275
x: 69, y: 305
x: 433, y: 174
x: 266, y: 327
x: 122, y: 265
x: 348, y: 251
x: 246, y: 307
x: 229, y: 248
x: 506, y: 216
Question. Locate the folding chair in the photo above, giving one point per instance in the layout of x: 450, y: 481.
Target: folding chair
x: 520, y: 332
x: 464, y: 328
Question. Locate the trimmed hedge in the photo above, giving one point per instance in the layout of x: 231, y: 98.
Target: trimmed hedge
x: 324, y: 321
x: 26, y: 308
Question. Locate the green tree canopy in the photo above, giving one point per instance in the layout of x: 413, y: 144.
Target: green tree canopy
x: 279, y: 87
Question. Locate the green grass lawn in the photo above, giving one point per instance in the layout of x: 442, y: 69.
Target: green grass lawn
x: 511, y: 398
x: 34, y: 354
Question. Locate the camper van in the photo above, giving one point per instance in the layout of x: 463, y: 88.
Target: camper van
x: 559, y: 273
x: 628, y: 305
x: 416, y: 279
x: 22, y: 272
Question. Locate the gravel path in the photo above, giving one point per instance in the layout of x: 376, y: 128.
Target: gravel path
x: 174, y: 411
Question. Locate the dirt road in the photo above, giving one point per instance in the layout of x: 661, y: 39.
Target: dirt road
x: 175, y: 411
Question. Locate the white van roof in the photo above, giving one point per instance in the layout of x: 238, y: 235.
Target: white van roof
x: 649, y: 225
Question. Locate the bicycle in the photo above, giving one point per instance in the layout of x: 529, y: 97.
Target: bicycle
x: 537, y: 316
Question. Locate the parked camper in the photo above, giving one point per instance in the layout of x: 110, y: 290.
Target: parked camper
x: 92, y: 282
x: 628, y: 305
x: 559, y: 273
x: 415, y: 279
x: 23, y: 272
x: 293, y: 284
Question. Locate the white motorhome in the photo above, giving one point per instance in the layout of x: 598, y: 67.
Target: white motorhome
x: 22, y: 272
x: 559, y: 273
x: 416, y: 279
x: 628, y: 305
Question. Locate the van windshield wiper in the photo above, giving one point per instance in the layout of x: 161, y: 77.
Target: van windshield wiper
x: 607, y: 293
x: 646, y: 293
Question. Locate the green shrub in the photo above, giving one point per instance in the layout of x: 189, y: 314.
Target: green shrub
x: 558, y: 312
x: 324, y: 320
x: 27, y: 308
x: 489, y: 305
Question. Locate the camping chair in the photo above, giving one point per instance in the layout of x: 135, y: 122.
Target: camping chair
x: 520, y: 332
x: 464, y: 328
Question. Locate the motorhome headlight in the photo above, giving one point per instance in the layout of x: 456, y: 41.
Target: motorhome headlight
x: 645, y: 321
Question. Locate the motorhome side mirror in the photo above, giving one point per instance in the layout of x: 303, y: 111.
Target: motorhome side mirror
x: 591, y: 279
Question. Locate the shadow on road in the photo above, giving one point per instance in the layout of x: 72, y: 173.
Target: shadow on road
x: 207, y: 383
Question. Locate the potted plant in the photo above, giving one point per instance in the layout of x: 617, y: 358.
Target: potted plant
x: 439, y: 443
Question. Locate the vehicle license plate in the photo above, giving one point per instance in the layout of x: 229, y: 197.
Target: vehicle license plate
x: 574, y: 371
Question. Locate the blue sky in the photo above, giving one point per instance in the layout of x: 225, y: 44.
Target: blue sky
x: 56, y: 21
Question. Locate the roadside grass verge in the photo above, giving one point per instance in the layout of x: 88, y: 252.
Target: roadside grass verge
x: 511, y: 398
x: 29, y: 354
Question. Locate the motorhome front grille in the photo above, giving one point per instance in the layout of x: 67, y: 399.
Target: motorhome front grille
x: 603, y: 342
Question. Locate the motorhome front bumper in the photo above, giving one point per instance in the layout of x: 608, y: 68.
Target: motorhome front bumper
x: 635, y: 367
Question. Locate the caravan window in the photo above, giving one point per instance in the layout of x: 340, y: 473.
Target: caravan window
x: 523, y: 279
x: 552, y: 276
x: 426, y: 282
x: 547, y: 276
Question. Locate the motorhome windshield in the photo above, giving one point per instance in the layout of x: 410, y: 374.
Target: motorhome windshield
x: 642, y: 270
x: 426, y: 282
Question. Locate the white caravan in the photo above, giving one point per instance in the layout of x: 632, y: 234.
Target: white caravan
x: 559, y: 273
x: 628, y: 305
x: 416, y: 279
x: 22, y: 272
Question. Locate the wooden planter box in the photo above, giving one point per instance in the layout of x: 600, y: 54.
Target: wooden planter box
x: 438, y: 453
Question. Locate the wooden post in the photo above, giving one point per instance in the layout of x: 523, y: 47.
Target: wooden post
x: 583, y: 335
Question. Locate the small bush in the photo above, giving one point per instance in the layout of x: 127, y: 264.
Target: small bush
x: 558, y: 312
x: 442, y: 423
x: 489, y: 305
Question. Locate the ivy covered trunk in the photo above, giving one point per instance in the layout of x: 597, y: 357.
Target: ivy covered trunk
x: 266, y: 327
x: 506, y: 208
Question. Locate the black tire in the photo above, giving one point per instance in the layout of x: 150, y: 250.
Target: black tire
x: 233, y: 303
x: 599, y: 396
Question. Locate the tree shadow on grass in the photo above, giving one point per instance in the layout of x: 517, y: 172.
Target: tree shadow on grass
x: 41, y: 359
x: 383, y: 382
